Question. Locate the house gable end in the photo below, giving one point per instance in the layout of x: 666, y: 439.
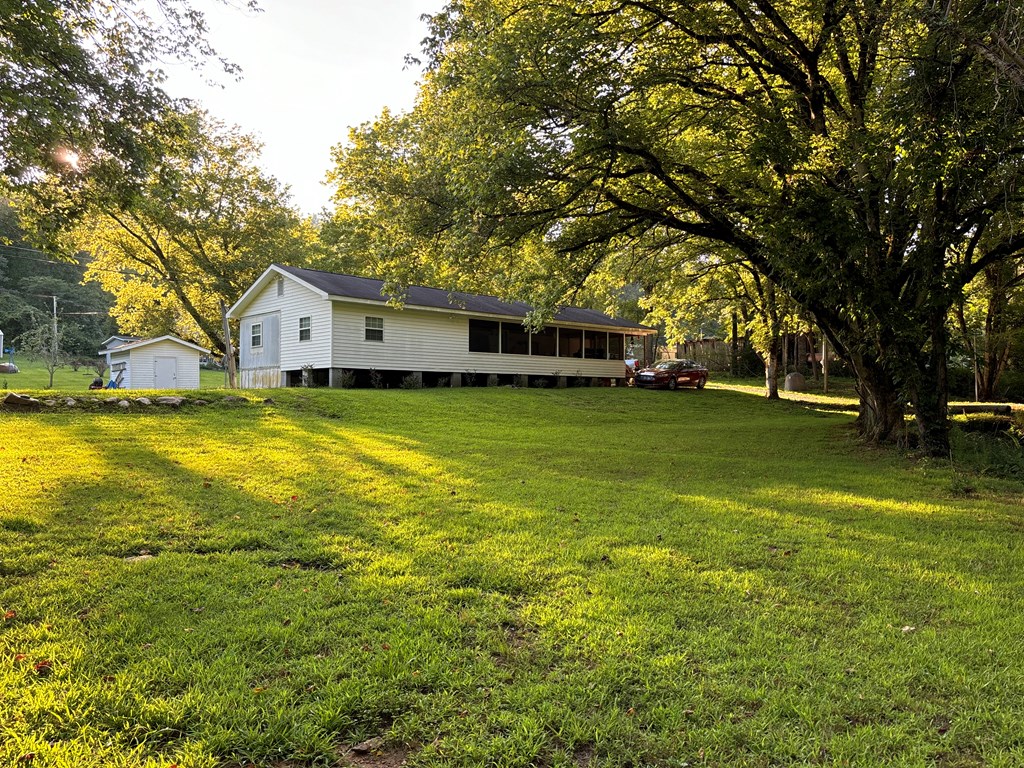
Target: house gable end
x: 268, y: 277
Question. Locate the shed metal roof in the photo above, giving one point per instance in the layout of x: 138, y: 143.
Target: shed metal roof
x: 128, y: 346
x: 369, y: 289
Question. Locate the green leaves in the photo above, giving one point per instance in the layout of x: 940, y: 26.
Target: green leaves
x: 849, y: 154
x: 197, y: 232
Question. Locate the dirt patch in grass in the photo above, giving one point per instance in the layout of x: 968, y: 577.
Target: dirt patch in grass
x: 374, y: 753
x: 584, y: 756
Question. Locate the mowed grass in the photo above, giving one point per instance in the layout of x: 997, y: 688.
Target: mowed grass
x: 498, y: 577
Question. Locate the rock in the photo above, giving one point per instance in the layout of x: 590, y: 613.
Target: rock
x: 233, y: 399
x: 70, y: 402
x: 170, y: 400
x: 269, y: 401
x: 123, y: 404
x: 795, y: 382
x: 370, y: 745
x: 200, y: 402
x: 138, y: 558
x: 17, y: 402
x: 49, y: 403
x: 143, y: 401
x: 111, y: 400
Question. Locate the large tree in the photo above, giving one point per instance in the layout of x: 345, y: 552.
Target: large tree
x: 84, y: 75
x: 80, y: 86
x: 864, y: 155
x: 204, y: 223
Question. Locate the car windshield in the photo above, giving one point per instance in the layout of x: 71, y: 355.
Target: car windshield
x: 665, y: 365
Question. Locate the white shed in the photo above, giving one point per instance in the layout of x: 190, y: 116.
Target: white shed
x: 166, y: 362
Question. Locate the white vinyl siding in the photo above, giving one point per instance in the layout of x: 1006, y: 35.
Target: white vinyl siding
x: 294, y: 302
x: 141, y: 364
x: 419, y: 340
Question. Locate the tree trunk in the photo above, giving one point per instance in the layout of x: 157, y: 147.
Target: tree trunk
x: 881, y: 412
x: 771, y: 370
x: 930, y: 396
x: 994, y: 363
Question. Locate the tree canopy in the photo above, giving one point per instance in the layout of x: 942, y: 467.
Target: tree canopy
x: 205, y: 222
x: 80, y: 88
x: 865, y: 156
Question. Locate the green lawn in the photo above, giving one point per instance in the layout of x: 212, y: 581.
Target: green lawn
x: 499, y: 577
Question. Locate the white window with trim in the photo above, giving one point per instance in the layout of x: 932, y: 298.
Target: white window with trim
x: 374, y: 329
x: 256, y: 335
x: 305, y: 328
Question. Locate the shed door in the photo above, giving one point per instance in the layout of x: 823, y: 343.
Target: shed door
x: 165, y: 373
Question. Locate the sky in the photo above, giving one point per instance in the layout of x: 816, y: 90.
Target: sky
x: 311, y: 69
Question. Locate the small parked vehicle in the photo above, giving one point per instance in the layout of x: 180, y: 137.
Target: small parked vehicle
x: 672, y: 374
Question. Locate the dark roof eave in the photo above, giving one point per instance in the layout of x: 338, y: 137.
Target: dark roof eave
x: 339, y: 287
x: 624, y: 327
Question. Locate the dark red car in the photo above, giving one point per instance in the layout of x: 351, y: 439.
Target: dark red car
x: 672, y: 374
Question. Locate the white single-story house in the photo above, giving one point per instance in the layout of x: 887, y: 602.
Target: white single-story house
x: 166, y: 362
x: 335, y: 330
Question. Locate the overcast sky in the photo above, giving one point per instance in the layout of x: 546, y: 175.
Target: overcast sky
x: 311, y: 69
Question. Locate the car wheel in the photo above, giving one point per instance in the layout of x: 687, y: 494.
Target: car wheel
x: 672, y: 383
x: 701, y: 382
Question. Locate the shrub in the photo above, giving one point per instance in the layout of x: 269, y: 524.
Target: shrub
x: 989, y: 453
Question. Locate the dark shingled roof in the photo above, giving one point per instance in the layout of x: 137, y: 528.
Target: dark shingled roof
x: 418, y: 296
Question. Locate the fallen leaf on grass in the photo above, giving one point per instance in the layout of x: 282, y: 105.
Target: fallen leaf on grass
x: 10, y: 614
x: 907, y: 629
x: 43, y: 668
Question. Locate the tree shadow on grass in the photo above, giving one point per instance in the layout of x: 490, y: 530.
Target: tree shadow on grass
x: 551, y: 591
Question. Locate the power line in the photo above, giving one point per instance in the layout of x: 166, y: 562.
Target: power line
x: 62, y: 263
